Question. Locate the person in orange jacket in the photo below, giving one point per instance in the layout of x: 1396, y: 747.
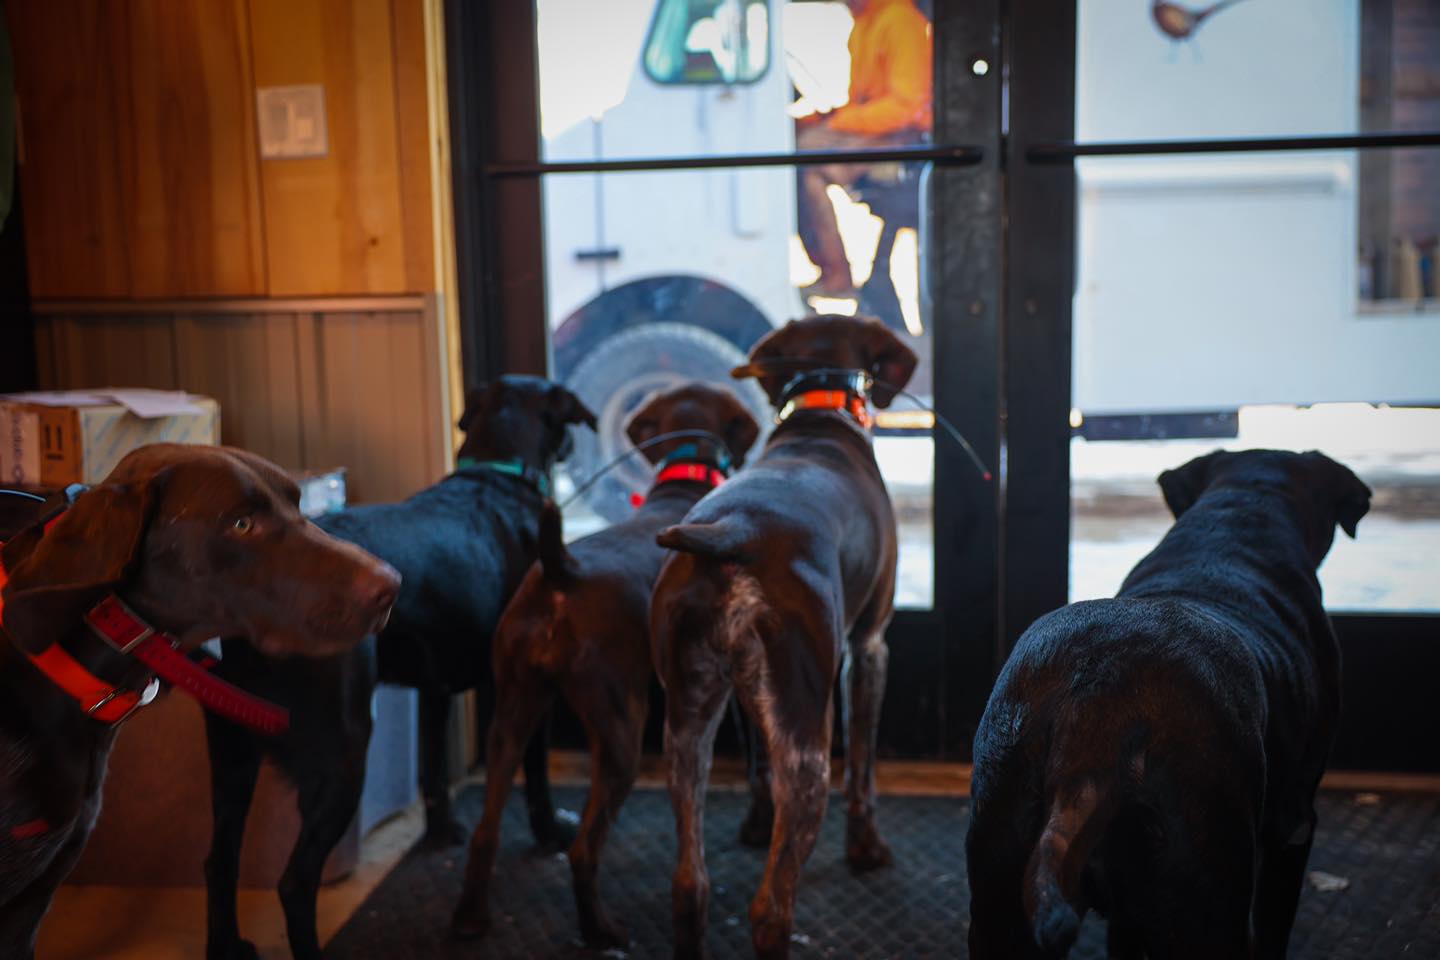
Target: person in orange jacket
x: 891, y: 99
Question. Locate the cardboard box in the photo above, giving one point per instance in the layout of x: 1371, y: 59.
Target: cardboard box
x: 58, y: 438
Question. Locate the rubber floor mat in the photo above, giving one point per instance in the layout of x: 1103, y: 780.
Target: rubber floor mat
x: 1382, y: 851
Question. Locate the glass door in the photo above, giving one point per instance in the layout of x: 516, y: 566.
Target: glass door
x: 694, y: 174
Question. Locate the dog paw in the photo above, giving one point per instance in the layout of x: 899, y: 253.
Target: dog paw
x: 444, y: 833
x: 600, y: 932
x: 232, y: 950
x: 864, y: 850
x: 469, y: 922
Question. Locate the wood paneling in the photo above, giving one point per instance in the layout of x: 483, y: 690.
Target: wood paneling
x: 413, y: 118
x: 309, y: 388
x: 143, y: 177
x: 65, y: 82
x: 190, y: 165
x: 334, y: 224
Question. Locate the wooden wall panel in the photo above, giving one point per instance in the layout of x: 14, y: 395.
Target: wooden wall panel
x: 65, y: 82
x: 413, y: 118
x: 387, y: 439
x: 248, y: 363
x: 190, y: 167
x: 129, y: 351
x: 335, y: 223
x: 310, y: 389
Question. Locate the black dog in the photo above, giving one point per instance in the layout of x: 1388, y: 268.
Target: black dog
x: 1156, y: 756
x: 462, y: 547
x: 199, y: 542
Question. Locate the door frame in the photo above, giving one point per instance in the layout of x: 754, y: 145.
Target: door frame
x: 1002, y: 249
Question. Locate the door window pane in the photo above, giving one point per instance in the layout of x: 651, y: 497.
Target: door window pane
x: 664, y: 78
x: 1259, y: 300
x: 653, y: 278
x: 1157, y: 71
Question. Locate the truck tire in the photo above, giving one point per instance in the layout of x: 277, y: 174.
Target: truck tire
x: 621, y: 371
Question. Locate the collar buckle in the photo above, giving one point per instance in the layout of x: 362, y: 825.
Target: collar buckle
x: 143, y: 699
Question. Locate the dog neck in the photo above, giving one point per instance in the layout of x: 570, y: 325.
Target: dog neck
x: 517, y: 468
x: 846, y: 392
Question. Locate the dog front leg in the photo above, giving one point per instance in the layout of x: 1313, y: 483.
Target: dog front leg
x: 327, y: 806
x: 692, y: 716
x: 234, y: 767
x: 20, y: 917
x: 441, y: 828
x: 863, y: 689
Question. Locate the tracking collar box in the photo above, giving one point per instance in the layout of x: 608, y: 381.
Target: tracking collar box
x: 61, y: 437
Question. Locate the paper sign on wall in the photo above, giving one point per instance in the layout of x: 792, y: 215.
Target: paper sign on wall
x: 292, y: 121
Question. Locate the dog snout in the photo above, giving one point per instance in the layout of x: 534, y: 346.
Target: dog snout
x: 376, y: 590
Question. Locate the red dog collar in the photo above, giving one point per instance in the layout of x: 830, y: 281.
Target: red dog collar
x: 123, y: 630
x: 695, y: 472
x: 843, y: 400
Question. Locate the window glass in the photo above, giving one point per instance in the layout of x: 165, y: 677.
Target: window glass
x: 655, y: 277
x: 1255, y: 69
x: 625, y: 79
x: 709, y: 41
x: 1279, y: 300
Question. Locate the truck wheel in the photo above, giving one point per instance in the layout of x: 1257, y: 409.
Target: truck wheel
x: 614, y: 377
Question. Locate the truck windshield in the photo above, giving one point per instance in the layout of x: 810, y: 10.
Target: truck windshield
x: 708, y: 41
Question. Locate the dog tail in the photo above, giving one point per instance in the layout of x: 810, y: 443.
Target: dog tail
x: 556, y: 562
x: 1070, y: 833
x: 727, y: 541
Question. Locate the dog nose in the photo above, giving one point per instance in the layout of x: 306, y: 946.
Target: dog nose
x: 377, y: 589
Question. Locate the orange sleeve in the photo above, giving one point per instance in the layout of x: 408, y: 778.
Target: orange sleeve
x: 905, y: 103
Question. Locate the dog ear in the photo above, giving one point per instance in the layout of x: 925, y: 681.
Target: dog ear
x: 740, y: 431
x: 90, y: 549
x: 644, y: 424
x: 1352, y: 496
x: 565, y: 407
x: 474, y: 401
x: 890, y: 362
x: 1183, y: 485
x: 767, y: 360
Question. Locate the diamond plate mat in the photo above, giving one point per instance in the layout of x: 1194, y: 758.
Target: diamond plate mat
x: 1386, y: 848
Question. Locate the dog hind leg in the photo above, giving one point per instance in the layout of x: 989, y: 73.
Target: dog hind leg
x: 615, y: 746
x: 695, y: 698
x: 522, y: 699
x: 863, y: 690
x: 234, y: 767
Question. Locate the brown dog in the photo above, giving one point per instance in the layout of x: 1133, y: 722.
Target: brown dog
x: 578, y: 627
x: 779, y: 578
x: 199, y: 542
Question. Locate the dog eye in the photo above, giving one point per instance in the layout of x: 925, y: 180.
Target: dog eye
x: 244, y: 525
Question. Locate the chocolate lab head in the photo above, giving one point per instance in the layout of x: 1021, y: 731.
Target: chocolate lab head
x: 849, y: 343
x: 1325, y: 493
x: 694, y: 406
x: 201, y: 542
x: 521, y: 417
